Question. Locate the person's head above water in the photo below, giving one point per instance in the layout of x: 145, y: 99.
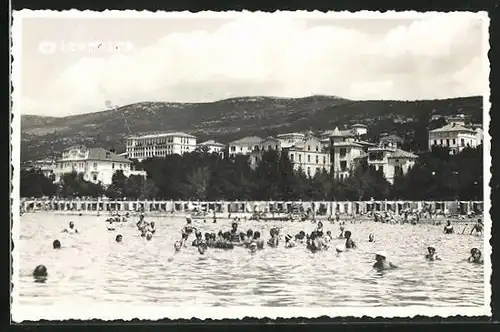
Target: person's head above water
x: 448, y: 223
x: 188, y: 220
x: 149, y: 236
x: 342, y: 228
x: 249, y: 233
x: 198, y: 235
x: 202, y: 248
x: 152, y: 224
x: 71, y: 224
x: 431, y: 250
x: 347, y: 234
x: 380, y: 256
x: 177, y: 245
x: 118, y: 238
x: 56, y: 244
x: 256, y: 235
x: 40, y: 271
x: 320, y: 224
x: 371, y: 237
x: 234, y: 226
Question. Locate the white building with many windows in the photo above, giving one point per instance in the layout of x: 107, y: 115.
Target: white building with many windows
x: 390, y: 161
x: 310, y: 156
x: 244, y: 146
x: 213, y: 147
x: 306, y: 153
x: 96, y: 164
x: 159, y: 145
x: 454, y: 136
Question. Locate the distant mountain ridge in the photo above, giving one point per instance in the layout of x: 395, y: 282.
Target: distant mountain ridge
x: 230, y: 119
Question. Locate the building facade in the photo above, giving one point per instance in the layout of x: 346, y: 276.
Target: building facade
x: 46, y: 166
x: 159, y: 145
x: 390, y: 160
x: 359, y: 129
x: 306, y: 153
x: 244, y: 146
x: 96, y: 165
x: 213, y: 147
x: 310, y: 156
x: 455, y: 137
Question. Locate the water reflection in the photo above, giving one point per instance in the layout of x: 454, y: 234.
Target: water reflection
x: 92, y: 266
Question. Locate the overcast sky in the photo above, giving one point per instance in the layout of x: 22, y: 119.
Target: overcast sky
x: 203, y: 59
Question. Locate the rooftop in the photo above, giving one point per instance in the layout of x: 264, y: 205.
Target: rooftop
x: 451, y: 127
x: 290, y: 134
x: 100, y: 154
x: 359, y: 125
x: 247, y: 140
x: 403, y: 154
x: 157, y: 135
x: 342, y: 144
x: 212, y: 142
x: 338, y: 133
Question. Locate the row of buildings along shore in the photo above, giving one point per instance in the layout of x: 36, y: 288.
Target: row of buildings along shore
x: 336, y: 151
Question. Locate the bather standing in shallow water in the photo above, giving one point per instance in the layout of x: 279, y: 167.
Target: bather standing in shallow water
x: 382, y: 263
x: 476, y: 256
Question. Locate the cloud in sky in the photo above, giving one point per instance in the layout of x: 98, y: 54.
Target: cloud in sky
x: 263, y: 54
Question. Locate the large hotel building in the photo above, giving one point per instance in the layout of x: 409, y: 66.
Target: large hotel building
x: 159, y: 145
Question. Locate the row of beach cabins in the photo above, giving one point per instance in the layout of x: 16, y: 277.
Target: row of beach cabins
x: 319, y: 208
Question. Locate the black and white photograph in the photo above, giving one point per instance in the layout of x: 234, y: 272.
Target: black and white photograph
x: 250, y: 164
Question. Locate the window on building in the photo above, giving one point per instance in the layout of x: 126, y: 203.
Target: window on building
x: 447, y: 142
x: 308, y: 148
x: 309, y: 171
x: 343, y: 165
x: 441, y: 142
x: 317, y: 147
x: 341, y: 176
x: 462, y: 142
x: 435, y: 142
x: 342, y: 152
x: 291, y: 157
x: 318, y: 170
x: 381, y: 168
x: 300, y: 158
x: 317, y: 159
x: 94, y: 177
x: 113, y: 165
x: 308, y: 158
x: 454, y: 141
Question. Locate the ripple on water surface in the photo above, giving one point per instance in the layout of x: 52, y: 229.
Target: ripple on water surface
x: 92, y: 267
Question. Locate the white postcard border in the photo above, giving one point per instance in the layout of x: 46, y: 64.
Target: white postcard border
x: 108, y: 311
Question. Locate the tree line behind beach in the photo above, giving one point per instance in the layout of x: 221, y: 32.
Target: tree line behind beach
x: 209, y: 177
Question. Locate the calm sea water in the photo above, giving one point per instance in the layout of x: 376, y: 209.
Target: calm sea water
x: 92, y: 267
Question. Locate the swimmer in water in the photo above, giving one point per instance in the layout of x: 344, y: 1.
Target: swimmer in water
x: 248, y: 238
x: 341, y: 235
x: 258, y: 240
x: 371, y: 238
x: 382, y: 263
x: 448, y: 229
x: 235, y: 236
x: 40, y: 273
x: 56, y: 244
x: 476, y: 256
x: 320, y: 227
x: 432, y: 256
x: 328, y: 236
x: 151, y: 227
x: 478, y: 227
x: 188, y: 229
x: 72, y: 229
x: 118, y: 238
x: 289, y: 243
x: 177, y: 246
x: 274, y: 240
x: 198, y: 240
x: 202, y: 248
x: 349, y: 243
x: 141, y: 224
